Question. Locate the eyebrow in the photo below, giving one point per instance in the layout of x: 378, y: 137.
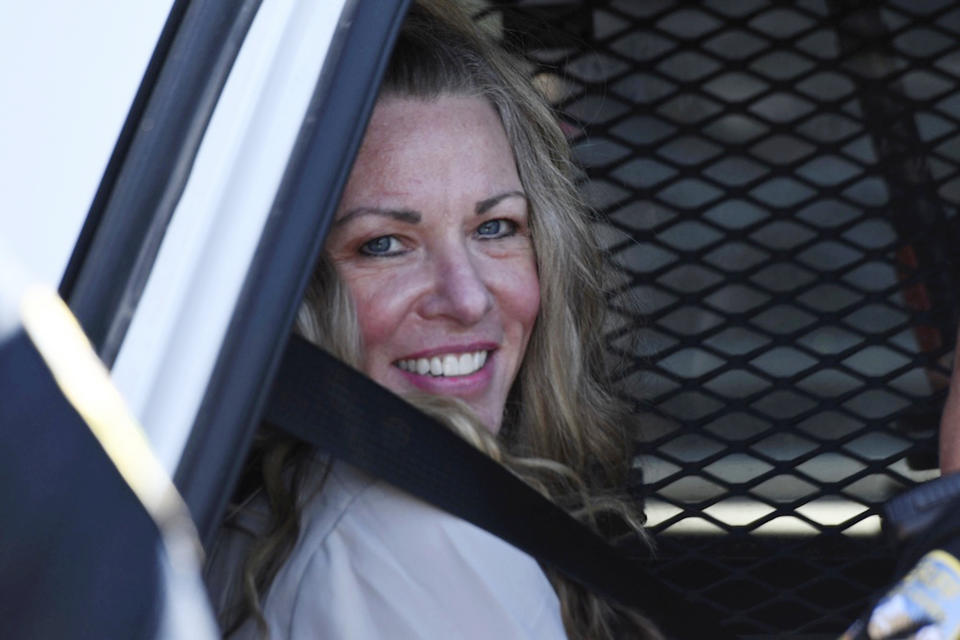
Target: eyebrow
x: 485, y: 205
x: 413, y: 217
x: 403, y: 215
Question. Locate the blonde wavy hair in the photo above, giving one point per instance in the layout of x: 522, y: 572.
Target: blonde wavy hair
x: 564, y: 431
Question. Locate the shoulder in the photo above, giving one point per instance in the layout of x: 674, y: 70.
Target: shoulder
x: 374, y: 561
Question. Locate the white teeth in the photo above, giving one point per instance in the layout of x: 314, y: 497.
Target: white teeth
x: 449, y: 365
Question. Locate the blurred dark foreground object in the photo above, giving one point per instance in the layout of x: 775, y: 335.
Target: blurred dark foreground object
x: 81, y: 556
x: 924, y: 602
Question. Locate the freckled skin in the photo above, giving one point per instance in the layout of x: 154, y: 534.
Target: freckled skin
x: 445, y: 278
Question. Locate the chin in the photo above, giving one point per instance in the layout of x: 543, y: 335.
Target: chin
x: 489, y: 419
x: 493, y: 426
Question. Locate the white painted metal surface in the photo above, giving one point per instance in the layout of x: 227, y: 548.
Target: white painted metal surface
x: 176, y: 332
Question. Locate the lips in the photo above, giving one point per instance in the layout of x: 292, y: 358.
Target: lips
x: 446, y: 365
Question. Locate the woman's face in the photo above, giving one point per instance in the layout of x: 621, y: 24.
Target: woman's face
x: 432, y: 240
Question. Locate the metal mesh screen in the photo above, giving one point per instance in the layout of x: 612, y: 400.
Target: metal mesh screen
x: 777, y: 185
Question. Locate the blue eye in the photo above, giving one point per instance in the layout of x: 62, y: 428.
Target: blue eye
x: 382, y: 246
x: 496, y: 228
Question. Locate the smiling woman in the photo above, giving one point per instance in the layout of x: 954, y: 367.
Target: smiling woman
x: 461, y: 274
x: 434, y: 247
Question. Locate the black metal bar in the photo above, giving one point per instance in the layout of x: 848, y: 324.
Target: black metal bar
x: 150, y: 167
x: 290, y: 246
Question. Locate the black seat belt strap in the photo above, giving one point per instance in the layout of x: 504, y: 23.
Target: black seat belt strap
x: 324, y: 402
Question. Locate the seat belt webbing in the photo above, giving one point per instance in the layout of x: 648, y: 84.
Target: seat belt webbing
x: 324, y: 402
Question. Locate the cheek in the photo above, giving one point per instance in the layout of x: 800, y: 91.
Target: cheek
x: 374, y: 324
x: 379, y: 302
x: 521, y: 297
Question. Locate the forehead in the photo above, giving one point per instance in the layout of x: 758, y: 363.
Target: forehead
x: 453, y: 140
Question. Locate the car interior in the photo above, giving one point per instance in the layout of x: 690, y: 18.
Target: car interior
x: 777, y: 189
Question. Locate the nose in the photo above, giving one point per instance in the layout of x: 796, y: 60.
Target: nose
x: 458, y: 291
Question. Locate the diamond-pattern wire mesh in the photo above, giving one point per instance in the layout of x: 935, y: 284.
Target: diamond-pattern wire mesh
x: 777, y: 185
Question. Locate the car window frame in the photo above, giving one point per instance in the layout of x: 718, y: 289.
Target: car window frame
x: 144, y: 180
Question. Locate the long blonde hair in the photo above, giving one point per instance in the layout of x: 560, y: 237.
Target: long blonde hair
x: 564, y: 431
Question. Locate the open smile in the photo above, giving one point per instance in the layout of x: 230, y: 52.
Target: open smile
x: 448, y: 365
